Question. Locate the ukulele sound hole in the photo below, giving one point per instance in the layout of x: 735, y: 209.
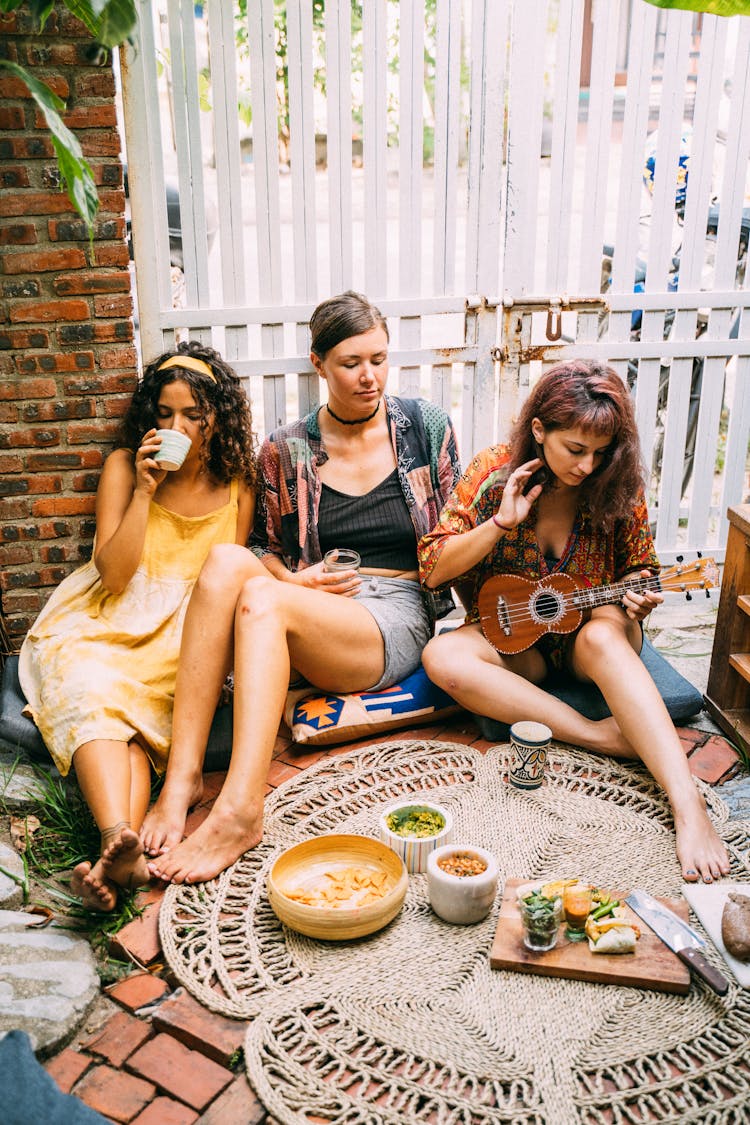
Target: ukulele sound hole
x: 546, y: 606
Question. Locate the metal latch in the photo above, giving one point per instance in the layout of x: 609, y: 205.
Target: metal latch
x: 554, y: 320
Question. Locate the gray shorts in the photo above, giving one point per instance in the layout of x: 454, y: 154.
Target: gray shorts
x: 399, y: 609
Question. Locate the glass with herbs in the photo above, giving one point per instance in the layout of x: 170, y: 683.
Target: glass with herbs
x: 541, y: 917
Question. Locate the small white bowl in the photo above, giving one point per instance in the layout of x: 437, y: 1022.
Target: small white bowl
x: 461, y: 899
x: 414, y: 850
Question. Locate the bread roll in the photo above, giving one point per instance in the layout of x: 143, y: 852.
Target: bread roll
x: 735, y: 926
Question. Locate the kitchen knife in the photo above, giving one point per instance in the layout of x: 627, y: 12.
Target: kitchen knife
x: 681, y: 938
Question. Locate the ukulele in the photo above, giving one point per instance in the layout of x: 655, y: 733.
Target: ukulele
x: 515, y: 612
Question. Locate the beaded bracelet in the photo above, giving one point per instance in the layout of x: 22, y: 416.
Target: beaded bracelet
x: 500, y: 525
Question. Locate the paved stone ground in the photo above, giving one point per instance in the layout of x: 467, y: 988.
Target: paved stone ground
x: 147, y: 1052
x: 683, y: 632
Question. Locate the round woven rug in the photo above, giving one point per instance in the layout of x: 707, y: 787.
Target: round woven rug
x: 411, y: 1025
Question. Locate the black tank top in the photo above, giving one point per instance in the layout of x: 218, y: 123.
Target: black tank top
x: 377, y: 525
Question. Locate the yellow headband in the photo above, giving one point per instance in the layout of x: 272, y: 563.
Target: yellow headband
x: 190, y: 363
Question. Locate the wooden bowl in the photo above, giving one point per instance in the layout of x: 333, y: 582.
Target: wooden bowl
x: 302, y: 868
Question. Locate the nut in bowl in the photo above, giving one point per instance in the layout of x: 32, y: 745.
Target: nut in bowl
x: 461, y: 883
x: 414, y: 829
x: 337, y: 887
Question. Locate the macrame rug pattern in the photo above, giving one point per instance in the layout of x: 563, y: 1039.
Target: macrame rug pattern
x: 410, y: 1025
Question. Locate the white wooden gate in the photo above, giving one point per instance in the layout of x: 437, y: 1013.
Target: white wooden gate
x: 463, y: 162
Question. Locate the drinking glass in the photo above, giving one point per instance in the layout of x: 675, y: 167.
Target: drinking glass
x: 577, y: 903
x: 341, y: 558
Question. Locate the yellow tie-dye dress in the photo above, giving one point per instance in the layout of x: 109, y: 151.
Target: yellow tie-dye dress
x: 97, y: 665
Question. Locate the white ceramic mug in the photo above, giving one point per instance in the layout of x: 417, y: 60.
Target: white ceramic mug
x: 173, y: 450
x: 529, y: 743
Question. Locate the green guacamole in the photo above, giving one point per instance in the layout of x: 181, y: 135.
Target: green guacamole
x: 415, y: 822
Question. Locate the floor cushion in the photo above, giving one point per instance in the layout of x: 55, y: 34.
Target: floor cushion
x: 680, y: 697
x: 16, y: 731
x: 320, y: 719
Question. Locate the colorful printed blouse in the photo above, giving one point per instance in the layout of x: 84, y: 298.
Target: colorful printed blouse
x: 286, y: 526
x: 592, y: 553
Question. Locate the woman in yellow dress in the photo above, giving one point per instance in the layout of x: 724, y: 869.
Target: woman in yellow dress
x: 99, y: 665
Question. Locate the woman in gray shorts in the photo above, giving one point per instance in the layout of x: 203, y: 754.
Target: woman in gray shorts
x: 367, y: 471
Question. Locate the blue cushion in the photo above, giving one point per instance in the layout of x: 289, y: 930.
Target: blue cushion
x: 681, y: 698
x: 31, y: 1094
x: 16, y: 731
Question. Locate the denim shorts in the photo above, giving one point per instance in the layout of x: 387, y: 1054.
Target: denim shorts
x: 399, y: 609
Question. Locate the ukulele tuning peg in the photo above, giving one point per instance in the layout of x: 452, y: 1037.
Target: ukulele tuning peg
x: 679, y: 558
x: 708, y: 594
x: 699, y: 554
x: 688, y: 597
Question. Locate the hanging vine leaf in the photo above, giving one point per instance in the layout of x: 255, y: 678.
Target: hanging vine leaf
x: 74, y: 168
x: 111, y: 22
x: 712, y: 7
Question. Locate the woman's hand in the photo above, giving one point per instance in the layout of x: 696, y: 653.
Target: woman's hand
x: 148, y: 474
x: 346, y: 582
x: 639, y: 605
x: 516, y: 506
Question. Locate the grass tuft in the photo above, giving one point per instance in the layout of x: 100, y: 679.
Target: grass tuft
x: 67, y: 834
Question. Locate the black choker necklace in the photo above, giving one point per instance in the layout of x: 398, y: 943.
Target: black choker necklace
x: 353, y: 421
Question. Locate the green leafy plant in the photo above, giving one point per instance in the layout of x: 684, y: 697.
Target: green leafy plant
x: 111, y: 22
x: 236, y: 1059
x: 97, y: 928
x: 66, y: 835
x: 713, y: 7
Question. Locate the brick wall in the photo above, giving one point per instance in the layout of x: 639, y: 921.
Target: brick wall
x: 67, y: 358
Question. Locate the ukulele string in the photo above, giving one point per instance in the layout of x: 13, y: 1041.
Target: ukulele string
x: 591, y: 597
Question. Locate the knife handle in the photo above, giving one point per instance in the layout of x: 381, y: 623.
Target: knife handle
x: 696, y: 961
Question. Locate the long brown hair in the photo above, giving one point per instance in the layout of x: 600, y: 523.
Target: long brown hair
x: 591, y: 396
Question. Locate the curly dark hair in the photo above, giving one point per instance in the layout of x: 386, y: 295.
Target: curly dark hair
x: 592, y: 396
x: 230, y: 452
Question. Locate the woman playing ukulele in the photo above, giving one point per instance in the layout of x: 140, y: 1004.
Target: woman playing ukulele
x: 566, y: 496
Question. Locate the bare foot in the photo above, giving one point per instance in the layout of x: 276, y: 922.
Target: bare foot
x: 701, y: 853
x: 95, y: 893
x: 123, y: 862
x: 224, y: 836
x: 164, y: 824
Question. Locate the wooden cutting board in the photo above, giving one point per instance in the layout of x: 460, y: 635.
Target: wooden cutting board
x: 652, y: 965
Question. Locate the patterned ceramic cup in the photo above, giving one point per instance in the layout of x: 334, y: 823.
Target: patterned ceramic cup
x: 173, y: 450
x: 529, y: 743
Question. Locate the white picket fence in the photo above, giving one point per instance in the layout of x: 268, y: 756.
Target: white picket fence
x: 467, y: 183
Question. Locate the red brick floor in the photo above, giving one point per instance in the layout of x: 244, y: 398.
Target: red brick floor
x: 165, y: 1060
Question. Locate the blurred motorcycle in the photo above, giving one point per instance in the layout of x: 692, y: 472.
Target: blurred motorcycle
x: 639, y: 285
